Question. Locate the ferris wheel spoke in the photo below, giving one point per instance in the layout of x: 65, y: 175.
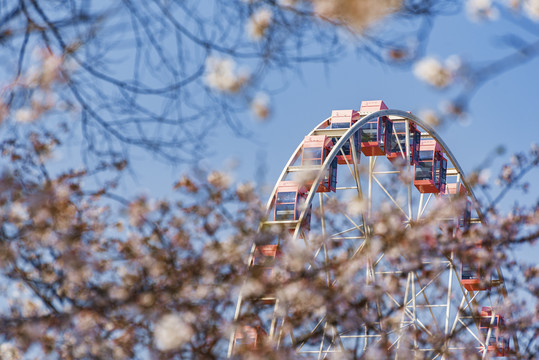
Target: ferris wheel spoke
x: 423, y: 296
x: 396, y: 138
x: 448, y: 303
x: 427, y: 302
x: 418, y: 324
x: 321, y: 323
x: 390, y: 197
x: 422, y: 205
x: 457, y: 316
x: 359, y: 249
x: 356, y: 226
x: 351, y: 167
x: 355, y: 160
x: 408, y: 168
x: 372, y: 163
x: 322, y: 342
x: 402, y: 321
x: 338, y: 234
x: 471, y: 333
x: 431, y: 281
x: 324, y: 236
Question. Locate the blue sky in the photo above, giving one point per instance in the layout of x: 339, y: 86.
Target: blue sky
x: 501, y: 113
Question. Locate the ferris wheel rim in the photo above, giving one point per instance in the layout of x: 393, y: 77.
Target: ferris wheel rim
x: 346, y: 136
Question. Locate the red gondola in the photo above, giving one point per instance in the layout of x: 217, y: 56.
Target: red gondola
x: 455, y: 189
x: 464, y: 221
x: 249, y: 338
x: 453, y: 227
x: 458, y: 189
x: 497, y: 344
x: 430, y: 171
x: 474, y: 278
x: 398, y: 145
x: 314, y: 152
x: 375, y: 134
x: 262, y: 264
x: 264, y: 259
x: 470, y: 276
x: 344, y: 119
x: 289, y: 199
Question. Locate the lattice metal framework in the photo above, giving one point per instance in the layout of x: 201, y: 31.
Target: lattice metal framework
x: 428, y: 301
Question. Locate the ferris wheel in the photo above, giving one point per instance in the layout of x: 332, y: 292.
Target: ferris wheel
x: 356, y: 174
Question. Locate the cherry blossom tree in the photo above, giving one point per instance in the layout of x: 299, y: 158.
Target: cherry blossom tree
x: 147, y: 75
x: 90, y: 273
x: 87, y: 273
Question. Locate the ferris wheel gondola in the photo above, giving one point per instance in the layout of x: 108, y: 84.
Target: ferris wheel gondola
x: 325, y: 167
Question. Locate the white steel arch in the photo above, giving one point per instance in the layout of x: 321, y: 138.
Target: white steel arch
x: 458, y: 314
x: 393, y: 114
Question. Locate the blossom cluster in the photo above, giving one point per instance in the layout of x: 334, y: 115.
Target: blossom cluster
x: 433, y: 72
x: 259, y: 23
x: 479, y: 10
x: 164, y: 275
x: 221, y: 74
x: 358, y: 15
